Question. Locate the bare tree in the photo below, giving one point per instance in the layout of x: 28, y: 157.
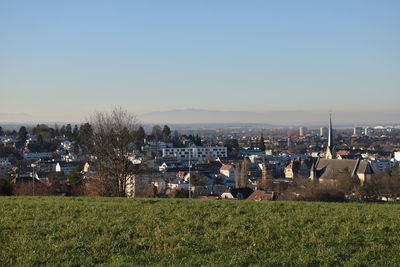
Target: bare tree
x: 238, y: 174
x: 157, y: 132
x: 112, y: 145
x: 41, y: 189
x: 241, y: 173
x: 346, y: 182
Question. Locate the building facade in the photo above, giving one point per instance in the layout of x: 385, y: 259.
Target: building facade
x: 195, y: 153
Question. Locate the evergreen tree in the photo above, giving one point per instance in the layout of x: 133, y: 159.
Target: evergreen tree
x: 176, y: 141
x: 68, y: 131
x: 56, y: 130
x: 52, y: 133
x: 197, y: 141
x: 22, y: 134
x: 139, y: 137
x: 85, y: 136
x: 75, y: 148
x: 46, y: 132
x: 232, y: 145
x: 166, y: 133
x: 40, y: 139
x: 75, y: 133
x: 63, y: 131
x: 1, y: 131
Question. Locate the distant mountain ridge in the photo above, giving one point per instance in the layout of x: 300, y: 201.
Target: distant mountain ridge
x: 219, y: 118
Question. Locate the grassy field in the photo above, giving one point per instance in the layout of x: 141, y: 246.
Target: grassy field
x: 111, y: 231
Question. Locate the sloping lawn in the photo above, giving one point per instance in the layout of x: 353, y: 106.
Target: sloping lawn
x: 114, y: 231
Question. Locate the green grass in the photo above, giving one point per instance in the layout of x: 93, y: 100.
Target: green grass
x: 110, y: 231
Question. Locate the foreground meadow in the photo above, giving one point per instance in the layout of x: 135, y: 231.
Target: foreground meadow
x: 112, y: 231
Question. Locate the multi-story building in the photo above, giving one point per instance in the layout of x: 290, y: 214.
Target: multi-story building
x: 155, y: 146
x: 368, y: 131
x: 196, y: 153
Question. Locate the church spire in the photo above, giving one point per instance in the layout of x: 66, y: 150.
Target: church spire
x: 330, y: 150
x: 330, y: 137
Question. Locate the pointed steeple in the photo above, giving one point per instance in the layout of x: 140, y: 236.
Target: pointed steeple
x: 330, y: 137
x: 330, y: 150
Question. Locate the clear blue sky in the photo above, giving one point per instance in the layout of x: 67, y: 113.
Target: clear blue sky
x: 61, y: 60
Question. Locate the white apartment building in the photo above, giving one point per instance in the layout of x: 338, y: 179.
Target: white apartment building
x: 196, y: 153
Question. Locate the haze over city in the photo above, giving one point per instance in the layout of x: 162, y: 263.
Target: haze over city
x: 277, y: 62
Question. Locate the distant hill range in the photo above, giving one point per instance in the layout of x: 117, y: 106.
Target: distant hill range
x: 203, y: 118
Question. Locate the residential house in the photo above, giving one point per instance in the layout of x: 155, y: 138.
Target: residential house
x: 65, y: 167
x: 297, y: 169
x: 228, y: 172
x: 237, y: 193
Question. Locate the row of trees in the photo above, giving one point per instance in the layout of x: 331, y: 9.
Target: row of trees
x: 80, y: 136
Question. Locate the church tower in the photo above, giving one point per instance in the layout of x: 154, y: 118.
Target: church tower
x: 330, y: 150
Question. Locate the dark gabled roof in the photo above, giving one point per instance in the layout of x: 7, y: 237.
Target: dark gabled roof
x: 67, y: 164
x: 329, y: 168
x: 245, y: 192
x: 52, y: 175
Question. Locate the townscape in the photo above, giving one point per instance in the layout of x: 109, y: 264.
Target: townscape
x: 199, y: 133
x: 325, y: 164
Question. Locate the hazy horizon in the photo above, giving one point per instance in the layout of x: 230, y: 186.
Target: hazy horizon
x: 235, y: 60
x: 268, y: 118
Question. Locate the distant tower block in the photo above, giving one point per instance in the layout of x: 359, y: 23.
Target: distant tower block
x: 323, y: 131
x: 357, y: 131
x: 303, y: 131
x: 368, y: 131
